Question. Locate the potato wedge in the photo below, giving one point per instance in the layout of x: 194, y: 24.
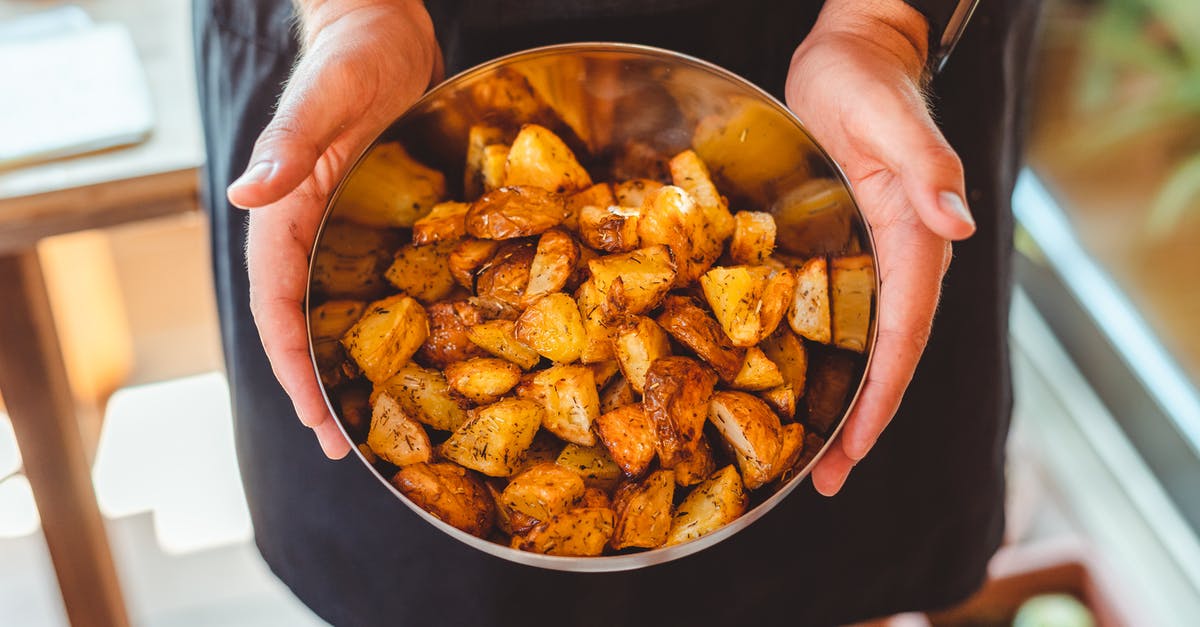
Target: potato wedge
x: 451, y: 493
x: 446, y: 222
x: 758, y: 372
x: 568, y: 396
x: 389, y: 188
x: 643, y: 511
x: 709, y: 506
x: 598, y: 195
x: 777, y: 297
x: 672, y: 218
x: 539, y: 158
x: 498, y: 337
x: 328, y: 322
x: 676, y: 403
x: 788, y: 352
x: 852, y: 287
x: 494, y: 167
x: 386, y: 336
x: 752, y: 430
x: 595, y: 497
x: 449, y: 340
x: 592, y: 463
x: 553, y: 264
x: 829, y: 389
x: 748, y: 301
x: 637, y: 342
x: 808, y: 314
x: 634, y: 192
x: 618, y: 393
x: 633, y: 282
x: 694, y: 328
x: 697, y: 463
x: 782, y: 401
x: 543, y: 491
x: 609, y: 228
x: 493, y: 440
x: 483, y: 380
x: 479, y: 137
x: 753, y: 237
x: 553, y: 327
x: 467, y: 257
x: 629, y: 437
x: 505, y: 276
x: 812, y: 446
x: 394, y: 436
x: 604, y: 371
x: 359, y: 276
x: 790, y: 449
x: 510, y: 522
x: 514, y: 211
x: 581, y: 532
x: 422, y: 272
x: 597, y: 328
x: 544, y: 449
x: 816, y: 218
x: 689, y: 172
x: 425, y: 395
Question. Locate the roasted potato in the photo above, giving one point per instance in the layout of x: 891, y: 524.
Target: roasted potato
x: 618, y: 393
x: 544, y: 449
x: 595, y: 497
x: 446, y: 222
x: 633, y: 193
x: 758, y: 372
x: 581, y: 532
x: 709, y: 506
x: 672, y: 218
x: 829, y: 389
x: 753, y: 237
x: 782, y: 401
x: 697, y: 463
x: 510, y: 522
x: 553, y: 327
x: 498, y: 337
x: 425, y: 395
x: 539, y: 158
x: 479, y: 138
x: 329, y: 321
x: 808, y: 314
x: 451, y: 493
x: 482, y: 379
x: 604, y: 371
x: 816, y: 218
x: 852, y: 286
x: 543, y: 491
x: 633, y: 282
x: 449, y: 336
x: 676, y: 402
x: 514, y: 211
x: 598, y: 195
x: 643, y: 511
x: 597, y: 326
x: 629, y: 437
x: 348, y: 276
x: 748, y: 301
x: 788, y: 352
x: 467, y: 257
x: 504, y: 277
x: 689, y: 173
x: 389, y: 188
x: 495, y: 163
x: 354, y: 406
x: 568, y: 395
x: 611, y: 229
x: 695, y: 329
x: 553, y: 264
x: 422, y: 272
x: 394, y: 436
x: 592, y: 463
x: 386, y: 336
x: 790, y: 449
x: 637, y: 342
x: 753, y: 432
x: 493, y: 440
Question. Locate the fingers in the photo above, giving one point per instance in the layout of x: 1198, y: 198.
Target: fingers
x: 830, y: 473
x: 333, y: 442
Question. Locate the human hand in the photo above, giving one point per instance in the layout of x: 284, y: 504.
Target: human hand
x: 855, y: 81
x: 364, y: 63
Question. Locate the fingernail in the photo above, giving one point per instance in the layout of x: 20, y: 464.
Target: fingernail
x: 256, y: 173
x: 952, y: 204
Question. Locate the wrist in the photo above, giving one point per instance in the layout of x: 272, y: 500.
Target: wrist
x: 892, y: 25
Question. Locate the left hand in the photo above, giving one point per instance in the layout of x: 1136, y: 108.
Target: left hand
x: 855, y: 81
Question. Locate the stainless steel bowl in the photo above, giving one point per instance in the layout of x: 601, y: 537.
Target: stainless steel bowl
x: 616, y: 103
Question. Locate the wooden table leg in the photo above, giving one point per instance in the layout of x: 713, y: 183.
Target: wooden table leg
x: 34, y: 385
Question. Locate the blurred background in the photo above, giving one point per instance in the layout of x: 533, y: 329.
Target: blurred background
x: 110, y: 353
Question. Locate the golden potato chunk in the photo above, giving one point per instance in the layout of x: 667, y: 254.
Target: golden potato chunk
x: 629, y: 437
x: 394, y: 436
x: 514, y: 211
x: 448, y: 340
x: 328, y: 322
x: 604, y: 371
x: 498, y: 337
x: 633, y: 282
x: 387, y: 336
x: 790, y: 450
x: 829, y: 389
x: 697, y: 463
x: 598, y: 195
x: 695, y: 329
x: 595, y: 497
x: 672, y: 218
x: 592, y: 463
x: 422, y: 272
x: 494, y: 167
x: 545, y: 449
x: 511, y: 522
x: 788, y: 353
x: 543, y: 491
x: 505, y: 276
x: 753, y: 237
x: 450, y: 493
x: 758, y: 372
x: 553, y: 264
x: 748, y: 301
x: 493, y: 440
x: 816, y: 218
x: 852, y: 287
x: 425, y: 395
x: 348, y: 276
x: 618, y: 393
x: 689, y: 173
x: 753, y: 432
x: 637, y: 342
x: 483, y: 379
x: 568, y: 395
x: 539, y: 158
x: 446, y: 222
x: 553, y: 327
x: 609, y: 228
x: 808, y: 314
x: 709, y: 506
x: 389, y: 188
x: 581, y: 532
x: 676, y: 402
x: 467, y: 257
x: 634, y: 192
x: 479, y: 138
x: 643, y: 511
x: 597, y: 328
x: 782, y: 401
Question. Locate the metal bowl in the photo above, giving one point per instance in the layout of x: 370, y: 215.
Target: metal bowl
x: 618, y: 104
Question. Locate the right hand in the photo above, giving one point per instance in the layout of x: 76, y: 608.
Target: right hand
x: 363, y: 64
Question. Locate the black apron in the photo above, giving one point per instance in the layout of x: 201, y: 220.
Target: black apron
x: 913, y: 528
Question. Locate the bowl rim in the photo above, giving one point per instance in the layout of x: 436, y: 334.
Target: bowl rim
x: 650, y: 557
